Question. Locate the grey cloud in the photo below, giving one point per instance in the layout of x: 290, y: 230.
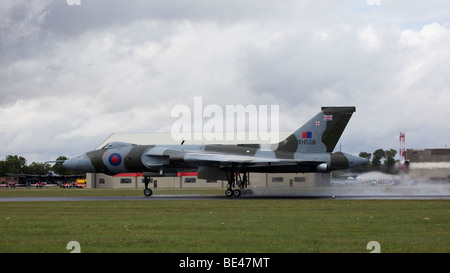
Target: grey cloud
x: 83, y: 72
x: 104, y: 14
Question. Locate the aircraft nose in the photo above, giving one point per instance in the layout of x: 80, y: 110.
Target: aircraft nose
x: 81, y: 163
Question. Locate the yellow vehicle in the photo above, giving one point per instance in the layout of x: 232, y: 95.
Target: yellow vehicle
x: 80, y: 183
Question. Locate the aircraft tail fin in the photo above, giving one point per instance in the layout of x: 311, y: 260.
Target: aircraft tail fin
x: 321, y: 133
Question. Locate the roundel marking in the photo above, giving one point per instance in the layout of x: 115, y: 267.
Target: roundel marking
x: 115, y: 159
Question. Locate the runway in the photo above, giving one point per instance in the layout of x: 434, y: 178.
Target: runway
x: 218, y: 197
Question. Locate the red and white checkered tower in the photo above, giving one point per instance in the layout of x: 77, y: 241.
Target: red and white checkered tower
x: 401, y: 150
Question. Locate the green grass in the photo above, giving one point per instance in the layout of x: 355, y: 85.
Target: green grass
x: 234, y: 225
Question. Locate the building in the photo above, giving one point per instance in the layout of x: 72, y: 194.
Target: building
x: 428, y: 155
x: 257, y: 180
x: 7, y: 181
x: 433, y: 164
x: 190, y: 180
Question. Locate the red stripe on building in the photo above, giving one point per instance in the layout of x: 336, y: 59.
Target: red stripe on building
x: 187, y: 174
x: 128, y: 175
x: 140, y: 174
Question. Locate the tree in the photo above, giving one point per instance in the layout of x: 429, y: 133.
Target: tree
x: 389, y: 155
x: 2, y: 168
x: 58, y: 167
x: 377, y: 156
x: 18, y: 164
x: 38, y: 168
x: 14, y: 164
x: 365, y: 155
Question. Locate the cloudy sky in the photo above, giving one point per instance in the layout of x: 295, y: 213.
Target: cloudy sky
x: 71, y: 75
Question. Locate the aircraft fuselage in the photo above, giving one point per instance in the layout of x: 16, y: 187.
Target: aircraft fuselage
x: 126, y: 157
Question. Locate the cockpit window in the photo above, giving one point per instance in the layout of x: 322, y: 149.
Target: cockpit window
x: 107, y: 146
x: 116, y: 145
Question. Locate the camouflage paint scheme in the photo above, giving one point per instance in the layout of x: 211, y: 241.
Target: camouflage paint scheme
x: 309, y: 149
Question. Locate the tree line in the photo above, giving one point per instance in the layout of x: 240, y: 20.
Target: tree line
x: 380, y: 160
x: 18, y: 164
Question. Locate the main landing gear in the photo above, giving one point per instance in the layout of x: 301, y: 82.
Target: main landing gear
x: 147, y: 192
x: 242, y: 182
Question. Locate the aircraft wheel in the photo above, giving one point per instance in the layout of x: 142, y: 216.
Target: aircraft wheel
x: 148, y: 192
x: 237, y: 192
x: 229, y: 193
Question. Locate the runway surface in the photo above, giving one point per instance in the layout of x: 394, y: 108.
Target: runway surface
x: 218, y: 197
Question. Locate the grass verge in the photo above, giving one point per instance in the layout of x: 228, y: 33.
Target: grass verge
x: 235, y: 225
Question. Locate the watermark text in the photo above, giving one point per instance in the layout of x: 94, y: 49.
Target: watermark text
x: 73, y: 2
x: 232, y: 122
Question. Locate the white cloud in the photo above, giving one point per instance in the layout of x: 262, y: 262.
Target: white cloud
x: 369, y: 38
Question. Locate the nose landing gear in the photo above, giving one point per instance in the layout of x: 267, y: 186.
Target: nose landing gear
x: 147, y: 192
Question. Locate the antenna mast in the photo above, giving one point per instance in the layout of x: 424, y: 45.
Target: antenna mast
x: 401, y: 150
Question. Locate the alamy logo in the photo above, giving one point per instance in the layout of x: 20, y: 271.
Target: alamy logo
x: 235, y: 122
x: 73, y: 2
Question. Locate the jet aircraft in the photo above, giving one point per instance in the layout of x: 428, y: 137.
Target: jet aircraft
x: 308, y: 149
